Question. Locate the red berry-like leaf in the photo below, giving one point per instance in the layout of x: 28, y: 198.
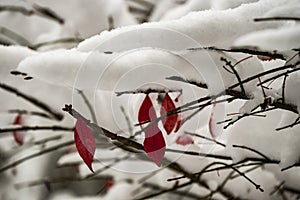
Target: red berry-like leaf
x: 170, y: 121
x: 154, y: 143
x: 85, y: 142
x: 184, y: 140
x: 215, y: 129
x: 18, y: 136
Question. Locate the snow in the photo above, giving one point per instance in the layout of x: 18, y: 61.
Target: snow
x: 141, y: 56
x: 280, y: 39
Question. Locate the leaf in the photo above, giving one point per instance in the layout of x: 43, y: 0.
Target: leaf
x: 154, y: 143
x: 184, y: 140
x: 170, y: 121
x: 85, y: 142
x: 178, y: 125
x: 155, y: 146
x: 18, y: 136
x: 216, y: 129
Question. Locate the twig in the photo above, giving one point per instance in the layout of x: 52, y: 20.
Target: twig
x: 111, y: 24
x: 36, y: 128
x: 258, y: 187
x: 147, y: 91
x: 165, y: 191
x: 48, y: 13
x: 127, y: 120
x: 279, y: 75
x: 193, y: 153
x: 290, y: 125
x: 33, y: 100
x: 58, y: 41
x: 88, y: 104
x: 206, y: 138
x: 12, y: 8
x: 43, y: 141
x: 26, y: 112
x: 51, y: 149
x: 228, y: 63
x: 180, y: 79
x: 273, y: 55
x: 276, y: 19
x: 53, y: 180
x: 157, y: 187
x: 252, y: 150
x: 283, y: 88
x: 14, y: 36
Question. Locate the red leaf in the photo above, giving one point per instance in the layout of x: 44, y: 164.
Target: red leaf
x: 178, y: 125
x: 265, y: 58
x: 170, y: 121
x: 85, y: 142
x: 215, y: 129
x: 154, y: 143
x: 18, y: 136
x: 146, y: 110
x: 184, y: 140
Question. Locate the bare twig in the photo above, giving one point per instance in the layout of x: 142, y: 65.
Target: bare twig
x: 14, y: 36
x: 88, y: 104
x: 276, y: 19
x: 32, y: 100
x: 228, y: 63
x: 26, y: 112
x: 36, y: 128
x: 147, y: 91
x: 180, y: 79
x: 206, y: 138
x: 273, y: 55
x: 252, y: 150
x: 48, y: 150
x: 58, y: 41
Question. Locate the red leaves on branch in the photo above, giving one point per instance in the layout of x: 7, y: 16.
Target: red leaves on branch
x: 170, y: 121
x: 85, y: 142
x: 154, y: 143
x: 18, y: 136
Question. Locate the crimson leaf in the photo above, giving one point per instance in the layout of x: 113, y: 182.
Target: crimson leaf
x: 18, y: 136
x: 85, y: 142
x: 154, y: 143
x: 170, y: 121
x: 184, y: 140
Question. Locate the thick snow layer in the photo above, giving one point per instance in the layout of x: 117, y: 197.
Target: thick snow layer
x: 280, y: 39
x: 204, y: 27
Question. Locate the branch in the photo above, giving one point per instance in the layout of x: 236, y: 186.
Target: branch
x: 273, y: 55
x: 228, y: 63
x: 147, y: 91
x: 36, y: 128
x: 206, y: 138
x: 276, y: 19
x: 51, y: 149
x: 88, y: 104
x: 26, y: 112
x: 58, y: 41
x: 33, y: 100
x: 14, y: 36
x: 253, y: 150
